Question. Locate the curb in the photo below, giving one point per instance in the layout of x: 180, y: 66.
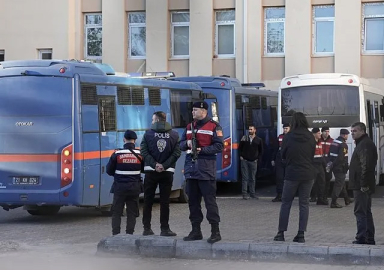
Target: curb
x: 166, y: 247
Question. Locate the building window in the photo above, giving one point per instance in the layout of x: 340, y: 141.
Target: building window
x: 274, y: 27
x: 373, y: 28
x: 323, y: 29
x: 225, y: 33
x: 137, y: 34
x: 180, y: 34
x: 45, y: 54
x: 93, y: 36
x: 2, y: 55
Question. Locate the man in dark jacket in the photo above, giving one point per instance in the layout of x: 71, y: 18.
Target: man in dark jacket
x: 338, y: 156
x: 200, y: 171
x: 250, y: 150
x: 279, y: 165
x: 125, y: 167
x: 362, y: 180
x: 160, y: 150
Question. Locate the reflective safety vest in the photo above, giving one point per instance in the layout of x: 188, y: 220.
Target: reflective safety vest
x: 326, y: 145
x: 128, y: 167
x: 281, y: 136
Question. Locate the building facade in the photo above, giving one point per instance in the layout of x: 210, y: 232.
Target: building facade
x: 253, y: 40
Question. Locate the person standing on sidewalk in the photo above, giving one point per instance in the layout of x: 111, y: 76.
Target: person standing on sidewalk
x: 326, y: 142
x: 362, y: 180
x: 250, y: 150
x: 319, y: 164
x: 202, y: 140
x: 160, y: 150
x: 125, y: 167
x: 338, y: 156
x: 279, y: 165
x: 298, y: 150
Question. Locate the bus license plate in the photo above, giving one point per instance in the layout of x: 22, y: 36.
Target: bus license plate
x: 25, y: 180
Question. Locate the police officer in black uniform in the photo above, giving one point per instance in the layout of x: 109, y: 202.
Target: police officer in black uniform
x: 200, y: 170
x: 125, y: 167
x: 160, y: 150
x: 338, y: 156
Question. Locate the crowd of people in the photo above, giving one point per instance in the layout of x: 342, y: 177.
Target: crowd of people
x: 304, y: 162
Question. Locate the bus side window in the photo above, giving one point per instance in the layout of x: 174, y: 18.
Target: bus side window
x: 181, y: 108
x: 154, y: 96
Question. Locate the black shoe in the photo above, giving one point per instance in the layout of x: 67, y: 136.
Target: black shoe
x: 195, y: 234
x: 348, y: 201
x: 148, y: 231
x: 312, y: 199
x: 277, y: 198
x: 371, y: 242
x: 322, y: 202
x: 254, y: 197
x: 279, y: 237
x: 335, y: 205
x: 299, y: 238
x: 167, y: 233
x: 360, y: 242
x: 245, y: 197
x: 215, y: 234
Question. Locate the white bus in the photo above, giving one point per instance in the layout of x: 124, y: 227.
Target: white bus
x: 337, y: 101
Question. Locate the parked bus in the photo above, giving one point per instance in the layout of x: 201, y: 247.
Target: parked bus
x: 236, y: 106
x: 61, y: 120
x: 335, y: 100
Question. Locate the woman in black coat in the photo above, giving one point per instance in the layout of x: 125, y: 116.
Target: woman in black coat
x: 298, y: 151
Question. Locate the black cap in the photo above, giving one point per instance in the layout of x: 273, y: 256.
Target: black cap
x: 130, y: 135
x: 285, y: 125
x: 201, y: 105
x: 315, y: 130
x: 324, y: 129
x: 344, y: 131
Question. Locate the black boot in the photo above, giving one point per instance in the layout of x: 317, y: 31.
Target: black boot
x: 348, y: 201
x: 279, y: 236
x: 278, y: 198
x: 299, y: 238
x: 215, y: 236
x: 195, y: 234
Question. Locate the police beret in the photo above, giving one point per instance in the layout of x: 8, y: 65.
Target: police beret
x: 130, y: 135
x: 285, y: 125
x: 324, y: 129
x: 344, y: 131
x: 201, y: 105
x: 315, y: 130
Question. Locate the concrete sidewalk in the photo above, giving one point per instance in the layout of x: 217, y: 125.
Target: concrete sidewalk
x: 248, y: 227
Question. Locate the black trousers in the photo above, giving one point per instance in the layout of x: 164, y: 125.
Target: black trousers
x: 196, y: 190
x: 279, y: 174
x: 289, y: 191
x: 328, y: 177
x: 318, y: 189
x: 164, y: 180
x: 131, y: 201
x: 364, y: 218
x: 339, y: 186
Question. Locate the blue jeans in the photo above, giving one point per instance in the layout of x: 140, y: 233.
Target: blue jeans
x: 248, y: 175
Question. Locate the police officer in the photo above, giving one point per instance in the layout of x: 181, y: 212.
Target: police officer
x: 200, y: 173
x: 279, y: 165
x: 338, y: 155
x: 326, y: 141
x: 160, y: 150
x: 319, y: 164
x: 125, y: 166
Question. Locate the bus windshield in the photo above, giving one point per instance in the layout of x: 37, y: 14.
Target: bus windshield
x: 320, y: 100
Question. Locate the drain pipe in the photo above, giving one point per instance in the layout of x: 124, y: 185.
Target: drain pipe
x: 245, y: 41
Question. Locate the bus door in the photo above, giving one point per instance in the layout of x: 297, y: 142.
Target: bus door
x: 108, y: 135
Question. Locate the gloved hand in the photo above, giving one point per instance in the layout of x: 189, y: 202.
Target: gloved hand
x: 364, y: 189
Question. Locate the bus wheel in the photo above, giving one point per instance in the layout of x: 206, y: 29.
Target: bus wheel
x: 183, y: 198
x: 47, y: 210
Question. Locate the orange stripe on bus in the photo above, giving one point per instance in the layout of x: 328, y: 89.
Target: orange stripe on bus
x: 93, y: 154
x: 29, y: 158
x: 235, y: 146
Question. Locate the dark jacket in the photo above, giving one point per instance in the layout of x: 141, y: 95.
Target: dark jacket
x: 204, y: 168
x: 251, y: 150
x: 363, y: 164
x: 125, y: 168
x: 160, y: 145
x: 298, y: 150
x: 338, y: 155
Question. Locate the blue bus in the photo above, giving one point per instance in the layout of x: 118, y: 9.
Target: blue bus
x: 61, y: 120
x: 236, y: 106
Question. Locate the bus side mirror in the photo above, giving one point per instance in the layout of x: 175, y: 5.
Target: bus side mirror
x: 382, y: 112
